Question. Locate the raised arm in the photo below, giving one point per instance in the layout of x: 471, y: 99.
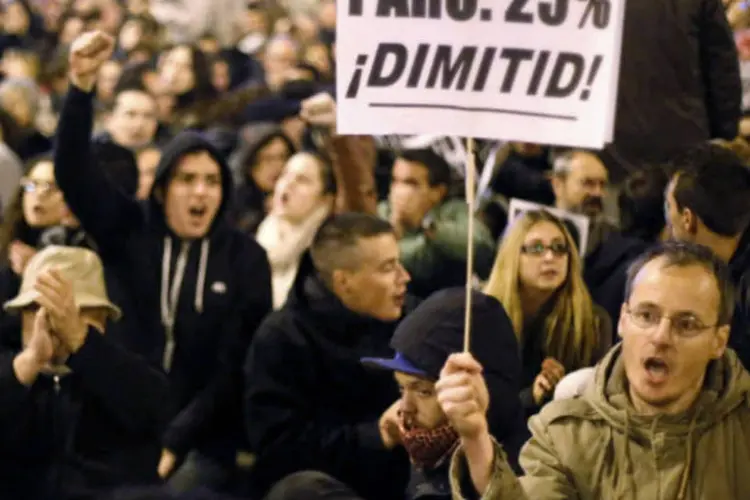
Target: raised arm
x: 105, y: 212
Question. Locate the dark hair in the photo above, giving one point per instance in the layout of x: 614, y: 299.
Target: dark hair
x: 325, y: 169
x: 14, y: 225
x: 133, y: 76
x: 439, y: 171
x: 713, y: 183
x: 203, y: 88
x: 249, y: 155
x: 123, y: 86
x: 684, y: 254
x: 641, y: 204
x: 334, y: 245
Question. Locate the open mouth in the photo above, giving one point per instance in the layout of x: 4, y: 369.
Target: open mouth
x: 197, y: 212
x: 656, y: 368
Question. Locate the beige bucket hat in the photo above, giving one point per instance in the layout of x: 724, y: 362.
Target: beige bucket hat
x: 80, y: 266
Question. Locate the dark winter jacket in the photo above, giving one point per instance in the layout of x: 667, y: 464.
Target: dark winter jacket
x: 739, y: 266
x: 224, y: 294
x: 92, y: 430
x: 605, y: 271
x: 311, y: 404
x: 679, y: 82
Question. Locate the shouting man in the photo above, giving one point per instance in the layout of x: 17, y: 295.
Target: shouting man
x: 196, y: 288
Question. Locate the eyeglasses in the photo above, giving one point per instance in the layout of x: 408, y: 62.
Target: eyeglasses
x: 32, y: 186
x: 684, y: 325
x: 538, y: 249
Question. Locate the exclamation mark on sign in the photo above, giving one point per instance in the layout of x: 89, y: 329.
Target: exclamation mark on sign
x: 592, y: 76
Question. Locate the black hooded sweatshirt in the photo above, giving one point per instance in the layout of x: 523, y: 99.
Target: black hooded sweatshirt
x: 84, y: 433
x: 223, y: 292
x: 311, y: 404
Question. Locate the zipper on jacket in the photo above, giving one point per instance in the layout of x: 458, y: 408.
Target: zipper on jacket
x: 59, y: 440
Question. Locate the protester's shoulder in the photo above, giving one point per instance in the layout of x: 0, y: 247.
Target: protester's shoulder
x: 281, y: 327
x: 564, y: 413
x: 452, y: 206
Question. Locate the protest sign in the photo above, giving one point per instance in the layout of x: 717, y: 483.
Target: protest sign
x: 577, y: 224
x: 542, y: 71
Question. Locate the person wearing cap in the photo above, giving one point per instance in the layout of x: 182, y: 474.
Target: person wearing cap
x: 423, y: 424
x: 79, y: 414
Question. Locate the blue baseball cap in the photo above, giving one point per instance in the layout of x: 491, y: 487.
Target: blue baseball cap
x: 399, y: 363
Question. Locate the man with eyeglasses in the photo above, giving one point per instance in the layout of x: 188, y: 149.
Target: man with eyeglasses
x: 580, y: 182
x: 667, y: 413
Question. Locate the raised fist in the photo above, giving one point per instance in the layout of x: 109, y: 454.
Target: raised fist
x: 87, y: 53
x: 320, y: 110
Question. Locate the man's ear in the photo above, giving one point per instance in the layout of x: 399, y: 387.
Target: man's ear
x: 558, y: 186
x: 438, y: 193
x: 720, y: 341
x: 340, y: 280
x: 621, y: 320
x: 689, y: 221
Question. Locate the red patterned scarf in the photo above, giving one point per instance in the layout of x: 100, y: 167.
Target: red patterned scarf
x: 428, y: 448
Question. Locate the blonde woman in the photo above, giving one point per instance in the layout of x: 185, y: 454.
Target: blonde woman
x: 537, y: 277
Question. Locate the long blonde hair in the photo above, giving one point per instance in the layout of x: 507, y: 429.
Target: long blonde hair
x: 571, y: 328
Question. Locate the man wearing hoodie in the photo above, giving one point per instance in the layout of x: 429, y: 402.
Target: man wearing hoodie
x: 309, y: 403
x: 193, y: 287
x: 666, y: 415
x: 708, y: 202
x: 79, y: 415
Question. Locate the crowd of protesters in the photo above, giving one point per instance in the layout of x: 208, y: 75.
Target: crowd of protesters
x: 209, y: 293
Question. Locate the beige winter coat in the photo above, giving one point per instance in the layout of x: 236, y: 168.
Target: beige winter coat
x: 596, y: 447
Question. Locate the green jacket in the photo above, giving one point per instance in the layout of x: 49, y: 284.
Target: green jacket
x: 427, y: 258
x: 596, y: 447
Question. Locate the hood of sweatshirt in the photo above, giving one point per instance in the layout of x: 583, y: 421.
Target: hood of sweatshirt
x: 726, y: 386
x: 186, y: 143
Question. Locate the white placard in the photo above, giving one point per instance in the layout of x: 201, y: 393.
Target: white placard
x: 541, y: 71
x: 581, y: 223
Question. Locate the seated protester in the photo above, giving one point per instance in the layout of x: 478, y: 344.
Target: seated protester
x: 431, y: 228
x: 537, y: 278
x: 303, y: 198
x: 666, y: 416
x: 641, y: 204
x: 196, y: 290
x: 423, y: 342
x: 579, y: 181
x: 708, y: 202
x: 460, y: 398
x: 79, y: 414
x: 309, y: 403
